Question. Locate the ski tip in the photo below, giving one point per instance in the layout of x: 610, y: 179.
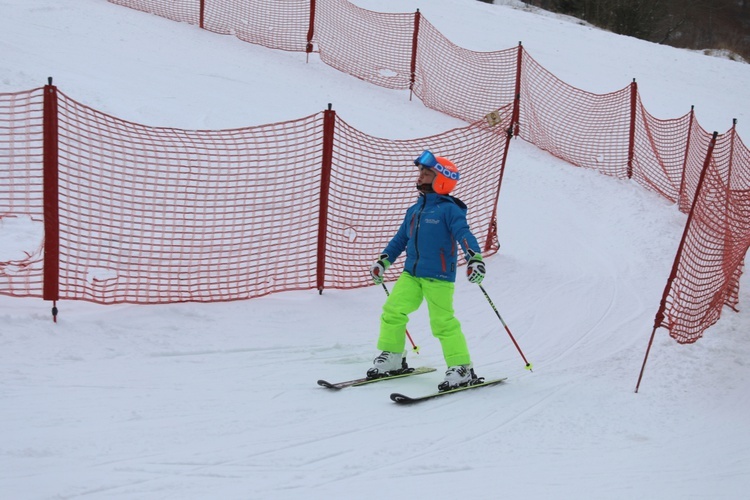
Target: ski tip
x: 326, y: 384
x: 400, y: 398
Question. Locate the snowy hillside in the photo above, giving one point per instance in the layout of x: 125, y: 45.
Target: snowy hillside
x: 220, y: 401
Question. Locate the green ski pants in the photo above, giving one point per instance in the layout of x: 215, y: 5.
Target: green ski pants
x: 405, y: 298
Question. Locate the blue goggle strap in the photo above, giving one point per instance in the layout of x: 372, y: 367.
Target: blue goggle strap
x: 428, y: 160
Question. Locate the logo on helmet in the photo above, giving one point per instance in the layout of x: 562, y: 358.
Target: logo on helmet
x: 446, y: 173
x: 447, y: 176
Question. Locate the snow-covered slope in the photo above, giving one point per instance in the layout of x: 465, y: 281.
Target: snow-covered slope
x: 219, y: 400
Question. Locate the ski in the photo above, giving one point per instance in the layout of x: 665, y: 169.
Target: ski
x: 406, y: 400
x: 365, y: 380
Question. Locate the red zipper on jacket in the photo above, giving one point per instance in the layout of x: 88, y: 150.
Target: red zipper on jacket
x: 416, y: 236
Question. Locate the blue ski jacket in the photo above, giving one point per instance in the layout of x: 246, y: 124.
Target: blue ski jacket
x: 431, y: 232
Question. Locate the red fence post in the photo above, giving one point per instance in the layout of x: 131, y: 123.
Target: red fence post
x: 202, y: 14
x: 310, y: 29
x: 732, y: 297
x: 631, y: 136
x: 413, y: 70
x: 50, y: 191
x: 732, y: 136
x: 680, y: 193
x: 492, y: 230
x: 513, y: 129
x: 329, y: 124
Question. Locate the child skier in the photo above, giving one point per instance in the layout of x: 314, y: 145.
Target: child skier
x: 431, y: 232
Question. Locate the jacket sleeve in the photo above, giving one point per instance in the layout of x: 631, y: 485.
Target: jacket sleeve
x: 459, y: 228
x: 398, y: 243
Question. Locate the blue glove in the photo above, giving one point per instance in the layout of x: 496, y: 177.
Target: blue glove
x: 378, y: 268
x: 475, y: 270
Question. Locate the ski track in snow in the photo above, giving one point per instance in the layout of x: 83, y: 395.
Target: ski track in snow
x: 220, y: 401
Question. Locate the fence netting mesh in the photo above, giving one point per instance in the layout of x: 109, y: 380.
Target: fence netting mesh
x: 271, y: 23
x: 708, y: 267
x: 659, y: 152
x: 373, y: 182
x: 183, y: 11
x: 21, y: 189
x: 154, y: 215
x: 372, y: 46
x: 585, y: 129
x: 460, y: 82
x: 151, y: 215
x: 157, y: 215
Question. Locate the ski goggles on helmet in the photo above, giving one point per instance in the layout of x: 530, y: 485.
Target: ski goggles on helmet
x: 428, y: 160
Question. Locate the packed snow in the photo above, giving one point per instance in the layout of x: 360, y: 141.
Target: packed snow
x: 220, y: 400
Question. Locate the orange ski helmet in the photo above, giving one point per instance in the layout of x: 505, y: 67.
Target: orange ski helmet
x: 446, y: 173
x: 446, y: 176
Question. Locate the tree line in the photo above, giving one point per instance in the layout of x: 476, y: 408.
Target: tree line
x: 689, y: 24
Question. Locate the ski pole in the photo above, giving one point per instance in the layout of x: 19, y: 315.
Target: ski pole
x: 528, y: 365
x: 414, y: 347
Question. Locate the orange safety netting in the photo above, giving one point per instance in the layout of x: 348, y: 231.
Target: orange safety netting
x: 659, y: 152
x: 183, y: 11
x: 459, y: 82
x: 585, y: 129
x: 612, y: 133
x: 21, y: 153
x: 373, y: 183
x: 153, y: 215
x: 21, y: 185
x: 372, y: 46
x: 273, y: 24
x: 705, y: 276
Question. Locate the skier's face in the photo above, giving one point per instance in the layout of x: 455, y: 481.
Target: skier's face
x: 426, y: 176
x: 424, y: 181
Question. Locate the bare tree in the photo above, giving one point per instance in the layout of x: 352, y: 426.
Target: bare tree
x: 694, y: 24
